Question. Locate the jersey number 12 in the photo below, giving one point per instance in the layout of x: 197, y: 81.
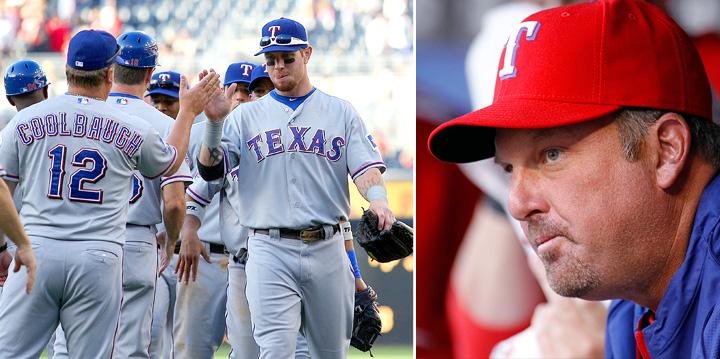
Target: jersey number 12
x: 92, y: 174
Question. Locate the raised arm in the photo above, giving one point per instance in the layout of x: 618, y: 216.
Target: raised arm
x: 371, y: 186
x: 210, y: 159
x: 192, y: 103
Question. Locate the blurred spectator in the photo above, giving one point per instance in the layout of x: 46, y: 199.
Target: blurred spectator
x: 58, y: 34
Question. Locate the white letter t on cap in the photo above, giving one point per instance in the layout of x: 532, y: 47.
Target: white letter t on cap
x: 530, y: 28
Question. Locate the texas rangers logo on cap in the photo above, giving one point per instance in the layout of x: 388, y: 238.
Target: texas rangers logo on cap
x: 247, y: 69
x: 164, y: 77
x: 273, y: 29
x: 530, y: 28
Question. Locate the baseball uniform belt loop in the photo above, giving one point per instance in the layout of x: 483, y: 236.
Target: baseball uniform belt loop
x: 308, y: 234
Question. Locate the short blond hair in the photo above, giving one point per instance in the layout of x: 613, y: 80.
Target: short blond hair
x: 86, y: 79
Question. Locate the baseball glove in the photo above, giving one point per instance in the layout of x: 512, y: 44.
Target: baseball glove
x: 386, y: 245
x: 366, y: 320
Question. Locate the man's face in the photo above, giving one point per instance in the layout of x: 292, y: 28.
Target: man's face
x: 262, y: 88
x: 593, y: 217
x: 165, y: 104
x: 286, y: 68
x: 241, y: 94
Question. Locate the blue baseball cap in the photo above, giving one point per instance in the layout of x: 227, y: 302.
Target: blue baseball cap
x: 24, y: 76
x: 165, y: 83
x: 258, y: 73
x: 239, y: 72
x: 283, y: 35
x: 93, y: 50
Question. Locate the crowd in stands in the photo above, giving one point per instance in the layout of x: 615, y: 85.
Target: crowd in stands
x: 358, y: 38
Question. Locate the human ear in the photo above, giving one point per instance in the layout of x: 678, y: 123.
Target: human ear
x: 110, y: 75
x: 673, y: 140
x: 308, y: 52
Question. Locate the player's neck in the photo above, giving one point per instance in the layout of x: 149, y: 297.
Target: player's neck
x: 135, y: 90
x: 101, y: 92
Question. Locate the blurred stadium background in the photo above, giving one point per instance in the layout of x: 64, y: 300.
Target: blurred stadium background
x: 363, y: 52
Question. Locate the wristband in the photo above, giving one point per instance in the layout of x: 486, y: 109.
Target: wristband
x: 212, y: 137
x: 195, y: 209
x: 353, y: 262
x: 3, y: 247
x: 376, y: 192
x: 346, y: 230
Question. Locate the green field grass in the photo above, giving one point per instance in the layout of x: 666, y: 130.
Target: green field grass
x: 380, y: 352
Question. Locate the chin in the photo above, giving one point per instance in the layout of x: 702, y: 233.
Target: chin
x: 572, y: 278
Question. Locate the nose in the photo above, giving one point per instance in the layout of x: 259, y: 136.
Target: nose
x: 527, y: 198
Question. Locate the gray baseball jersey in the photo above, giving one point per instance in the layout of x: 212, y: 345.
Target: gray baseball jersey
x: 140, y: 260
x: 74, y: 158
x: 293, y: 173
x: 294, y: 165
x: 77, y: 190
x: 146, y: 194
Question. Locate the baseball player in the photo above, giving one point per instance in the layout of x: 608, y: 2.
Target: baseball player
x: 239, y: 73
x: 260, y: 83
x: 208, y: 207
x: 199, y: 323
x: 140, y: 267
x: 73, y: 157
x: 164, y: 91
x: 295, y: 149
x: 25, y: 85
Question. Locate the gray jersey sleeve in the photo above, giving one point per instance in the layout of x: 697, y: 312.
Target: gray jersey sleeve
x: 362, y: 151
x: 156, y: 156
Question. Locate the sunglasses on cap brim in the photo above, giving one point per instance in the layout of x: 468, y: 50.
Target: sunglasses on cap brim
x: 163, y: 84
x: 282, y: 39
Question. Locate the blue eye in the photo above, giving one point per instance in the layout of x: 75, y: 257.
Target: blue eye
x: 552, y: 154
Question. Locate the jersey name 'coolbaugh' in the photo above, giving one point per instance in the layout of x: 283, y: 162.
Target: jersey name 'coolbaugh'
x: 74, y: 158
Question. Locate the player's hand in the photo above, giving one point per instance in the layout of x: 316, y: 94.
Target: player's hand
x: 25, y: 257
x: 5, y: 260
x: 167, y: 249
x: 189, y: 258
x: 197, y: 97
x: 567, y: 327
x: 221, y: 105
x: 385, y: 215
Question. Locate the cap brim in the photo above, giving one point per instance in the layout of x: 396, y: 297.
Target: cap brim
x: 281, y: 48
x: 161, y: 91
x: 472, y: 137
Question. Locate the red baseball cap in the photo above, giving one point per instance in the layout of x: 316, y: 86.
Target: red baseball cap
x: 576, y: 63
